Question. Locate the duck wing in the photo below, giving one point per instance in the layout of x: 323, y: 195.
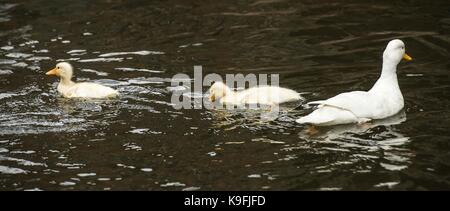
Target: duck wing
x: 268, y: 95
x: 92, y: 90
x: 361, y: 104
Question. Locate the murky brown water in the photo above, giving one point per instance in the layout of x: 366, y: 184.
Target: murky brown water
x: 140, y: 142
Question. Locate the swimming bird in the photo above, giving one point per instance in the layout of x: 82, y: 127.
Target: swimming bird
x: 69, y: 89
x: 384, y: 99
x: 264, y: 95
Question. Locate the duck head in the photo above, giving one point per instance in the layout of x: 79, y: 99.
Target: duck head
x: 395, y: 52
x: 218, y: 90
x: 63, y: 69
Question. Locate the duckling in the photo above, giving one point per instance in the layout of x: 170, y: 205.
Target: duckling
x: 69, y: 89
x: 264, y: 95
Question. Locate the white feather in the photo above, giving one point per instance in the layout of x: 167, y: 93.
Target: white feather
x: 267, y: 95
x: 70, y: 89
x: 383, y: 100
x: 87, y: 90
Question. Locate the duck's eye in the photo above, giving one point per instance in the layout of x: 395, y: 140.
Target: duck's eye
x: 57, y: 67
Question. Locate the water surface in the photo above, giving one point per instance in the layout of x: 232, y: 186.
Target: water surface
x: 140, y: 142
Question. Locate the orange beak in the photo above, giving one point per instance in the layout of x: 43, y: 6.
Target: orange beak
x: 212, y: 98
x: 407, y: 57
x: 54, y: 71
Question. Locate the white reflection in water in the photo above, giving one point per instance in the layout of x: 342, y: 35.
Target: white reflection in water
x: 142, y: 81
x: 349, y: 131
x: 129, y: 69
x: 7, y: 48
x: 146, y: 169
x: 125, y: 166
x: 41, y: 51
x: 86, y: 174
x: 6, y: 72
x: 191, y: 188
x: 101, y: 60
x: 34, y: 189
x: 99, y: 73
x: 21, y: 162
x: 11, y: 170
x: 20, y: 64
x: 254, y: 119
x: 38, y: 58
x: 67, y: 183
x: 173, y: 184
x: 7, y: 61
x: 142, y: 53
x: 31, y: 42
x: 76, y: 52
x: 387, y: 184
x: 379, y: 141
x: 139, y: 131
x: 18, y: 55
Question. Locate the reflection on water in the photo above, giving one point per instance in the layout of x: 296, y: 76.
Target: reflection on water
x: 343, y: 131
x: 378, y: 140
x: 140, y: 142
x: 254, y: 118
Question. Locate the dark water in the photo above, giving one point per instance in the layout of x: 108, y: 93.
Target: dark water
x: 140, y: 142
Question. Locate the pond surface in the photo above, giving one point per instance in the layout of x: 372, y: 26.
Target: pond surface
x: 140, y: 142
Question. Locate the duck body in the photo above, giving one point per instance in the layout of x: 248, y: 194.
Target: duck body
x: 364, y: 107
x: 265, y: 95
x: 384, y: 99
x: 86, y: 90
x: 69, y: 89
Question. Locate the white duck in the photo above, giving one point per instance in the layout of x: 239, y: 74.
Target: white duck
x: 265, y: 95
x: 70, y: 89
x: 383, y: 100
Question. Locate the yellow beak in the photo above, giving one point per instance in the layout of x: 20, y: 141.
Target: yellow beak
x: 407, y: 57
x: 54, y: 71
x: 212, y: 98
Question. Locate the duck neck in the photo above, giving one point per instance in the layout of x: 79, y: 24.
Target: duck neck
x: 389, y: 70
x: 228, y: 92
x: 66, y: 81
x: 388, y: 77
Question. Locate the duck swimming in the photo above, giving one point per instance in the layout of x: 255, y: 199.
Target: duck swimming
x: 265, y: 95
x: 384, y: 99
x: 69, y: 89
